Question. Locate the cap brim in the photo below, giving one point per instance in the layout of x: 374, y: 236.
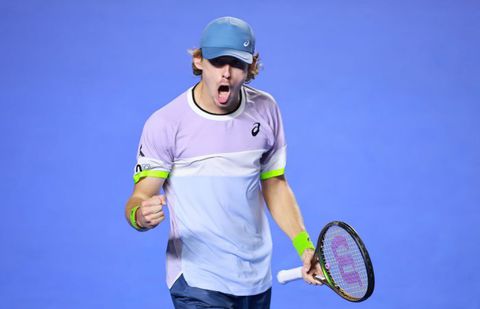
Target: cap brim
x: 214, y: 52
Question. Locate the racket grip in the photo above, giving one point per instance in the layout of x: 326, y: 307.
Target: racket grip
x: 287, y: 275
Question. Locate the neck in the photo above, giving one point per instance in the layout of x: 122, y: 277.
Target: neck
x: 203, y: 99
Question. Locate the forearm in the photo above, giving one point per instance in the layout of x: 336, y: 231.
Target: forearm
x: 286, y: 213
x: 143, y: 191
x: 134, y: 200
x: 283, y: 206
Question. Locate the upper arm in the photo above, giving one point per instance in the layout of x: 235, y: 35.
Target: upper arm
x: 155, y: 155
x: 274, y: 160
x: 272, y: 188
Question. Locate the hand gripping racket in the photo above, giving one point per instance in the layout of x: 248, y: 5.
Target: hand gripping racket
x: 344, y: 260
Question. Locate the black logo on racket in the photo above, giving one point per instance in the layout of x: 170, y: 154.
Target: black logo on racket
x: 256, y: 128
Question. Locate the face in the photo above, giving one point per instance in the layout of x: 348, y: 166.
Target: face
x: 222, y: 79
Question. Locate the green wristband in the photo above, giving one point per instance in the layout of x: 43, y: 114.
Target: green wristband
x: 301, y: 242
x: 133, y: 219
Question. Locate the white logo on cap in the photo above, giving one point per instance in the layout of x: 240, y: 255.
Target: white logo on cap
x: 246, y: 43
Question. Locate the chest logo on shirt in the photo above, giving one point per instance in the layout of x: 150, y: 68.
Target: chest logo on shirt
x: 256, y: 128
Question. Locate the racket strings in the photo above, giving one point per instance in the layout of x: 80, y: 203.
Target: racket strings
x: 344, y: 261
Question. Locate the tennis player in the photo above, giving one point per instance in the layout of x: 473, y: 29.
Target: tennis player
x: 219, y: 151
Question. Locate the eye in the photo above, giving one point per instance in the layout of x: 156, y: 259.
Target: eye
x: 217, y: 62
x: 233, y: 62
x: 239, y: 64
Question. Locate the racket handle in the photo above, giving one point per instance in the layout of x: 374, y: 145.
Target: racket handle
x: 287, y: 275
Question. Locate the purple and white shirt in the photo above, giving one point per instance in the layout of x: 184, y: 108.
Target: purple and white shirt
x: 219, y: 234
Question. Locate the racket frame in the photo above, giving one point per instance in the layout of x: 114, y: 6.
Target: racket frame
x: 326, y: 272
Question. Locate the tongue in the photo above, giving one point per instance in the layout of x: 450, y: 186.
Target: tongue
x: 223, y: 97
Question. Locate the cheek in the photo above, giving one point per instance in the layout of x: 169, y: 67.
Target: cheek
x: 211, y: 83
x: 240, y: 74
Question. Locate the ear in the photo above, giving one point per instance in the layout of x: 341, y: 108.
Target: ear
x: 197, y: 61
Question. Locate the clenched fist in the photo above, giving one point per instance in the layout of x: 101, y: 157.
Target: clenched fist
x: 150, y: 212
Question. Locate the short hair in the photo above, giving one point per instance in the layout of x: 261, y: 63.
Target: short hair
x: 253, y: 68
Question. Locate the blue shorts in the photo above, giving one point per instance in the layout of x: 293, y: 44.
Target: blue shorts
x: 187, y: 297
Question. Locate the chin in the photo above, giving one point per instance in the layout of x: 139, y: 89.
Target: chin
x: 224, y: 106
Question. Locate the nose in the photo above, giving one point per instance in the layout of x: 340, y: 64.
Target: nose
x: 226, y: 71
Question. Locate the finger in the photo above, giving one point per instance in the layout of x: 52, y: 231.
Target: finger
x: 161, y: 199
x: 313, y: 279
x: 311, y: 274
x: 317, y: 274
x: 155, y: 222
x: 155, y: 200
x: 307, y: 276
x: 148, y: 210
x: 156, y: 216
x: 315, y: 269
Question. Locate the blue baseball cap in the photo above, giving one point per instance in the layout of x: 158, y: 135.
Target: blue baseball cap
x: 228, y: 36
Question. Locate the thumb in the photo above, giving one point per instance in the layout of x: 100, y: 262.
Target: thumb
x: 163, y: 199
x: 159, y: 199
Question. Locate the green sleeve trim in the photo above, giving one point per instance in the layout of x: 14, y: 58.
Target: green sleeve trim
x: 301, y: 242
x: 271, y: 174
x: 143, y: 174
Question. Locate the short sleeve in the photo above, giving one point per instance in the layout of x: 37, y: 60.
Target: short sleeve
x: 155, y: 150
x: 273, y: 162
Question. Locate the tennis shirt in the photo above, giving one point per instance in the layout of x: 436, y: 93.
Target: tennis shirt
x: 212, y: 165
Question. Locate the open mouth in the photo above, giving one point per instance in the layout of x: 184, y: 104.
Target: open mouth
x: 223, y: 94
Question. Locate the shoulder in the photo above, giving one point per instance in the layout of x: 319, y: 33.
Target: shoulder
x: 168, y: 115
x: 262, y: 101
x: 259, y: 96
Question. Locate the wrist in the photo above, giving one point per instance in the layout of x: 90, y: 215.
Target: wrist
x: 302, y: 242
x: 133, y: 220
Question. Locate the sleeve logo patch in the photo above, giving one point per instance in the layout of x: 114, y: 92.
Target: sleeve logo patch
x: 142, y: 167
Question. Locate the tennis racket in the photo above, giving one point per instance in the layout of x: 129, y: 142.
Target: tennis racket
x: 344, y: 261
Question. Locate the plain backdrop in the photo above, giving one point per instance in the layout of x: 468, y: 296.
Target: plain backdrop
x: 380, y: 101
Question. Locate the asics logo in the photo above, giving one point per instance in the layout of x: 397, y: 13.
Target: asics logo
x: 246, y: 43
x: 256, y: 128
